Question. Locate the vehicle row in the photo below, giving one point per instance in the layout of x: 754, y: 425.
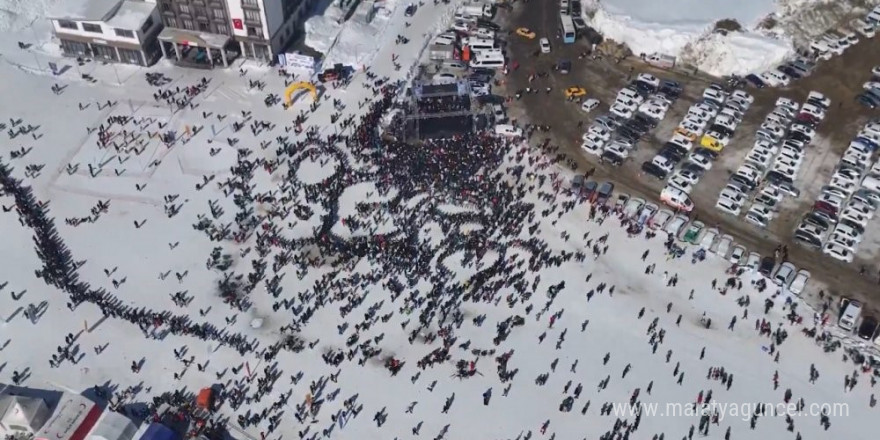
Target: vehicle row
x: 851, y: 320
x: 770, y: 168
x: 839, y: 216
x: 637, y: 109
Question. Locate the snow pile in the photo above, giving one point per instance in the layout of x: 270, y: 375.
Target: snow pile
x: 321, y: 30
x: 16, y: 15
x: 684, y: 28
x: 735, y: 53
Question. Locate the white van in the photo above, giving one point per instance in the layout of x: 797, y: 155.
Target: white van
x: 871, y: 183
x: 489, y: 56
x: 488, y: 64
x: 850, y: 315
x: 475, y: 43
x: 488, y: 53
x: 508, y: 130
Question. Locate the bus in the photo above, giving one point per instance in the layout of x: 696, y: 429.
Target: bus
x: 568, y: 32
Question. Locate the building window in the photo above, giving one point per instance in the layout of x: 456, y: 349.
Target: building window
x: 203, y: 26
x: 147, y: 24
x: 188, y: 24
x: 252, y: 16
x: 67, y: 24
x: 183, y: 8
x: 255, y: 32
x: 96, y: 28
x: 249, y: 2
x: 123, y: 33
x: 219, y: 14
x: 222, y: 29
x: 170, y: 22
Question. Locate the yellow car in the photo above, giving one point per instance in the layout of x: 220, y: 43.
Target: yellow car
x: 711, y: 143
x: 687, y: 134
x: 575, y: 92
x: 525, y: 32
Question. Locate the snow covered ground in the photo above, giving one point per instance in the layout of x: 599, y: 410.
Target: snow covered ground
x: 684, y: 28
x: 144, y: 249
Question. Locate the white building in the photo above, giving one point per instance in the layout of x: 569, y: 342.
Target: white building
x: 113, y: 30
x: 267, y: 26
x: 205, y: 33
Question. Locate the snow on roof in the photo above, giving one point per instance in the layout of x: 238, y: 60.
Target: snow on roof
x: 24, y: 412
x: 113, y: 426
x: 131, y: 15
x: 89, y: 10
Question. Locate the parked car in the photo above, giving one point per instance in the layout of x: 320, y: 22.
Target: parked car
x: 799, y: 282
x: 868, y: 328
x: 850, y: 310
x: 545, y: 45
x: 767, y: 266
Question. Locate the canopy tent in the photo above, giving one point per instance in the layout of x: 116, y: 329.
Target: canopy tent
x: 158, y: 431
x: 112, y: 426
x: 73, y: 418
x: 20, y: 414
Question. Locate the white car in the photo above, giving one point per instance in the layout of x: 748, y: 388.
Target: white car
x: 660, y: 219
x: 848, y: 231
x: 843, y: 241
x: 589, y: 105
x: 728, y: 206
x: 545, y: 45
x: 736, y: 256
x: 681, y: 184
x: 675, y: 225
x: 700, y: 161
x: 799, y: 282
x: 621, y: 111
x: 759, y: 215
x: 649, y: 79
x: 599, y: 132
x: 838, y: 252
x: 508, y: 130
x: 592, y: 147
x: 743, y: 96
x: 753, y: 261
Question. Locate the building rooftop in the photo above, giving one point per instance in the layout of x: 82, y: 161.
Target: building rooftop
x: 131, y: 14
x: 86, y: 10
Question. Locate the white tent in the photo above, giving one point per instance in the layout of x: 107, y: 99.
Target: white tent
x: 20, y: 414
x: 113, y: 426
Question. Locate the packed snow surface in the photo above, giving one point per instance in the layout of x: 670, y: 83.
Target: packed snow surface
x: 519, y: 252
x: 683, y: 28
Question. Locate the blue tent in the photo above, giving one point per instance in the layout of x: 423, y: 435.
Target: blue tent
x: 158, y: 431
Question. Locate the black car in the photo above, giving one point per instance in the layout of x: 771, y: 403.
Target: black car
x: 808, y: 240
x: 644, y: 120
x: 755, y: 81
x: 488, y: 24
x: 673, y: 151
x: 798, y: 136
x: 868, y: 328
x: 563, y: 66
x: 767, y: 265
x: 791, y: 71
x: 611, y: 158
x: 653, y: 169
x: 484, y: 71
x: 604, y: 192
x: 410, y: 10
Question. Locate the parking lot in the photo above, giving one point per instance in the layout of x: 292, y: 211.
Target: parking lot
x: 839, y: 78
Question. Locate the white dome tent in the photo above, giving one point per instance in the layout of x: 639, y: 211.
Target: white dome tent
x: 112, y: 426
x: 22, y: 415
